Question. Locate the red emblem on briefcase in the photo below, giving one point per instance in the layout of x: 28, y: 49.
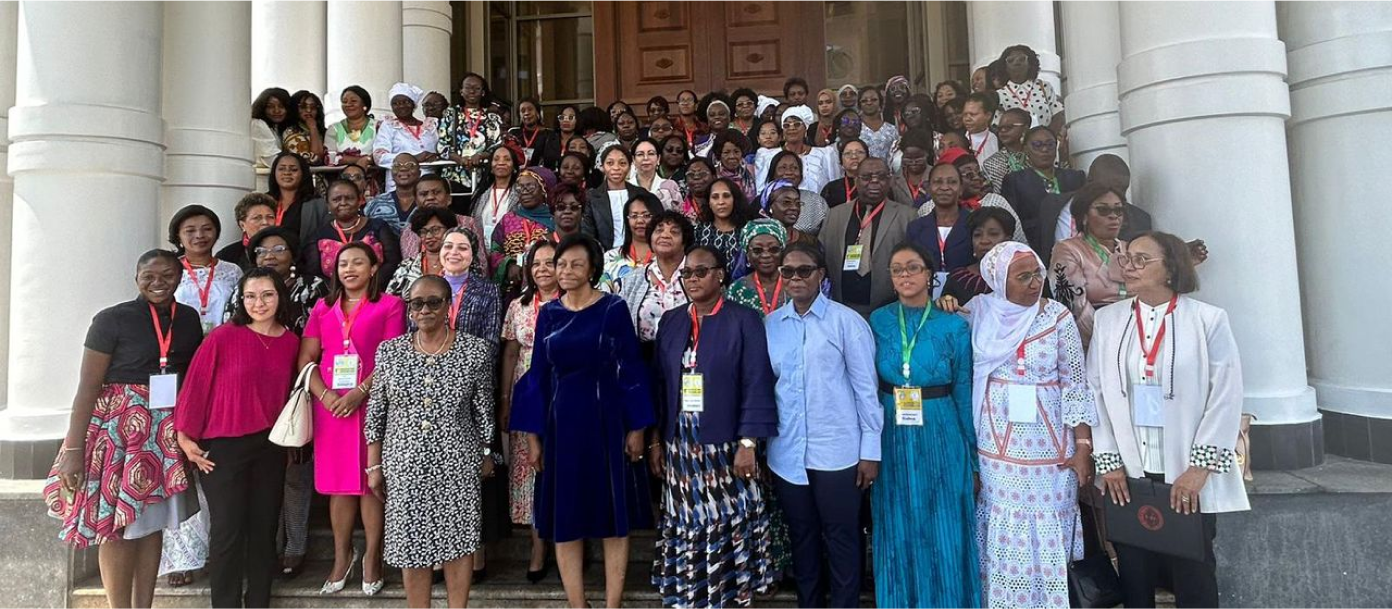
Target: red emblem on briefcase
x: 1151, y: 519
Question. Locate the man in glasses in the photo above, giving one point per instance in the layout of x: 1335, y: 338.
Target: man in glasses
x: 858, y: 237
x: 827, y: 451
x: 395, y: 207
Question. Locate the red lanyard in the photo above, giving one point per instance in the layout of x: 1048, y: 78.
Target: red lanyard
x: 869, y: 217
x: 690, y: 135
x: 972, y: 204
x: 474, y: 124
x: 496, y: 201
x: 768, y: 305
x: 207, y: 289
x: 850, y: 188
x: 825, y: 132
x: 348, y: 320
x: 942, y: 248
x: 1024, y: 104
x: 425, y: 261
x: 458, y: 300
x: 914, y: 190
x: 415, y: 133
x: 342, y: 236
x: 1154, y: 350
x: 1020, y: 358
x: 657, y: 274
x: 633, y: 255
x: 280, y: 214
x: 689, y: 205
x: 982, y: 147
x: 164, y: 339
x: 527, y: 141
x: 696, y: 329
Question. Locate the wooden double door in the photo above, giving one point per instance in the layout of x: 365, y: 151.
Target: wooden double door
x: 644, y: 49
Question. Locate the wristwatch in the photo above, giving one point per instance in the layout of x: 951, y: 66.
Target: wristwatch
x: 487, y: 451
x: 747, y: 442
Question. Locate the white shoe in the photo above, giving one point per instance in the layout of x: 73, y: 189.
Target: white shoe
x: 372, y: 588
x: 332, y: 587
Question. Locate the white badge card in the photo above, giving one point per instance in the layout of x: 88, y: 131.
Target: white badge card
x: 164, y: 390
x: 939, y: 282
x: 527, y: 155
x: 345, y: 371
x: 853, y: 256
x: 693, y: 393
x: 1024, y: 403
x: 908, y: 406
x: 1145, y: 405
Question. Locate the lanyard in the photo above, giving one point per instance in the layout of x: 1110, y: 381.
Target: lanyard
x: 415, y: 133
x: 474, y: 123
x: 870, y: 217
x: 689, y: 205
x: 633, y: 255
x: 850, y: 188
x: 942, y: 247
x: 526, y: 141
x: 1105, y: 256
x: 536, y: 309
x: 914, y: 191
x: 825, y: 132
x: 425, y: 261
x: 1024, y: 103
x: 206, y: 290
x: 345, y: 237
x: 161, y: 337
x: 348, y: 320
x: 696, y: 330
x: 457, y: 301
x: 1154, y: 350
x: 908, y: 343
x: 1016, y: 161
x: 1050, y: 184
x: 494, y: 193
x: 982, y: 147
x: 768, y: 305
x: 1020, y: 358
x: 280, y: 214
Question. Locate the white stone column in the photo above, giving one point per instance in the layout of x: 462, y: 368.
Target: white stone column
x: 1340, y: 56
x: 287, y: 45
x: 1091, y: 52
x: 996, y: 25
x: 9, y: 45
x: 365, y: 50
x: 425, y: 45
x: 208, y: 160
x: 1203, y: 108
x: 86, y: 155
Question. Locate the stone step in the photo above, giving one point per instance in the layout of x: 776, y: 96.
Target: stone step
x: 506, y: 586
x: 517, y: 546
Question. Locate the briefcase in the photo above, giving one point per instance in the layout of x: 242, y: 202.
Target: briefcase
x: 1147, y: 522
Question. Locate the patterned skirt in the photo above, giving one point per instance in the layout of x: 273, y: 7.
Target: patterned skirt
x: 133, y: 461
x: 714, y: 545
x: 522, y: 478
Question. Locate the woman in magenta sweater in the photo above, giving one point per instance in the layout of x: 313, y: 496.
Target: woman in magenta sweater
x: 234, y: 390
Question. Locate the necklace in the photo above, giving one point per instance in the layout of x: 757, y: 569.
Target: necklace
x: 260, y: 338
x: 431, y: 355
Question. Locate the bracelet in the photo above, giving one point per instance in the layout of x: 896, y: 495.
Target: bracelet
x: 373, y: 468
x: 74, y: 448
x: 1084, y: 442
x: 323, y: 393
x: 655, y: 445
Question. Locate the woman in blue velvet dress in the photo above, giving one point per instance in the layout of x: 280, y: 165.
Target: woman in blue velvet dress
x: 924, y: 503
x: 584, y: 406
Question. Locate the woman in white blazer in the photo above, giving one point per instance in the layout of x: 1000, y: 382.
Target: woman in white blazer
x: 1167, y: 379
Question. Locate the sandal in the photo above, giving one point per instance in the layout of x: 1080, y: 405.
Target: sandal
x: 291, y: 566
x: 179, y: 579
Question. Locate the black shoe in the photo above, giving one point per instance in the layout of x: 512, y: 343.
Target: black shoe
x: 437, y: 576
x: 480, y: 575
x: 540, y: 574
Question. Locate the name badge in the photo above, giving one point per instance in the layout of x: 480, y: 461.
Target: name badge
x: 939, y: 282
x: 853, y: 256
x: 693, y: 393
x: 1024, y: 403
x: 207, y: 327
x: 1145, y: 405
x: 164, y: 390
x: 908, y: 406
x: 527, y: 156
x: 345, y: 371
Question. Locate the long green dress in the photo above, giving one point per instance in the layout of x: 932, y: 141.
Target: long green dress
x: 924, y: 504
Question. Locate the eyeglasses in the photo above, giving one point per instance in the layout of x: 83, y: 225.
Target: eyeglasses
x: 1012, y: 125
x: 420, y: 304
x: 433, y: 231
x: 698, y: 272
x: 1136, y: 261
x: 275, y: 249
x: 267, y: 297
x: 1115, y: 211
x: 913, y: 112
x: 874, y: 177
x: 1044, y: 145
x: 1028, y: 278
x: 801, y: 272
x: 404, y: 166
x: 772, y: 250
x: 744, y: 104
x: 640, y: 216
x: 907, y: 270
x: 854, y: 154
x: 528, y: 186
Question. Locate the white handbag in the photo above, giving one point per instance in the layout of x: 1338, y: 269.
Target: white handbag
x: 295, y: 426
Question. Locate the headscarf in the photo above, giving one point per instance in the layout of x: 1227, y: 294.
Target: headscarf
x: 842, y: 90
x: 766, y: 195
x: 715, y: 102
x: 998, y: 326
x: 765, y: 102
x: 834, y: 101
x: 801, y: 112
x: 894, y: 79
x: 411, y: 91
x: 540, y: 214
x: 762, y: 226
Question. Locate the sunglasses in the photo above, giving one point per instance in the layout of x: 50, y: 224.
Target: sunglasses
x: 772, y: 250
x: 801, y: 272
x: 1116, y: 211
x: 421, y: 304
x: 698, y: 272
x: 570, y: 207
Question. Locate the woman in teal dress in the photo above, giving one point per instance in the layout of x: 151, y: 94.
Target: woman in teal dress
x: 924, y: 503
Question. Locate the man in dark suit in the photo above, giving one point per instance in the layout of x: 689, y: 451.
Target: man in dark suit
x: 866, y: 228
x: 1056, y: 224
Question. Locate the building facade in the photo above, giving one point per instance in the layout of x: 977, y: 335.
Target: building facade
x: 1256, y: 126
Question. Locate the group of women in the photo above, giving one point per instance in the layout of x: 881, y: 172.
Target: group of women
x: 634, y: 330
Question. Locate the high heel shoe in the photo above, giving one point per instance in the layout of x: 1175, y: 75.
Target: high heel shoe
x: 372, y: 588
x: 539, y: 574
x: 332, y: 587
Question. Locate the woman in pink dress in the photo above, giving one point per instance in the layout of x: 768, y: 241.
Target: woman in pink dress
x: 342, y: 336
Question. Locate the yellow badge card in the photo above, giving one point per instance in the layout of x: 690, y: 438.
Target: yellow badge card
x: 908, y: 406
x: 853, y: 256
x: 693, y: 393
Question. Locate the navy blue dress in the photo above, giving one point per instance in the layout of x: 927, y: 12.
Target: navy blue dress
x: 587, y: 388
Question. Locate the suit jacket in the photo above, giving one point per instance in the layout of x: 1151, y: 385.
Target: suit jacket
x: 598, y: 221
x: 891, y: 230
x: 1026, y: 191
x: 958, y: 248
x: 1137, y: 221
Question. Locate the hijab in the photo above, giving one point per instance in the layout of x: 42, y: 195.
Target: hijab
x: 541, y: 214
x: 998, y: 325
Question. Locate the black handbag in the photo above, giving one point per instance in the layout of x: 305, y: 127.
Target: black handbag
x: 1092, y: 581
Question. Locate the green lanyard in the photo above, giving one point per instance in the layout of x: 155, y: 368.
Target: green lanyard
x: 905, y: 342
x: 1052, y: 183
x: 1105, y: 256
x: 1016, y: 160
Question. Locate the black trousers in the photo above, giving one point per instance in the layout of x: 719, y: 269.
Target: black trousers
x: 823, y: 519
x: 1195, y: 582
x: 244, y: 492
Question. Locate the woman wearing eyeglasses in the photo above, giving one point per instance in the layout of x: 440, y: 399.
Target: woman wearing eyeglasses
x: 652, y: 289
x: 762, y: 242
x: 924, y: 504
x: 1085, y: 275
x: 431, y: 223
x: 528, y: 222
x: 1025, y: 189
x: 428, y: 427
x: 1034, y: 414
x: 717, y: 405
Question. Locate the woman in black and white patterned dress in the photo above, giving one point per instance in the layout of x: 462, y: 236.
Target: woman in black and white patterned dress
x: 429, y: 425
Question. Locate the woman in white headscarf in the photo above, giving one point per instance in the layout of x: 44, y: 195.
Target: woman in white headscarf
x: 1034, y: 414
x: 819, y: 165
x: 403, y: 132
